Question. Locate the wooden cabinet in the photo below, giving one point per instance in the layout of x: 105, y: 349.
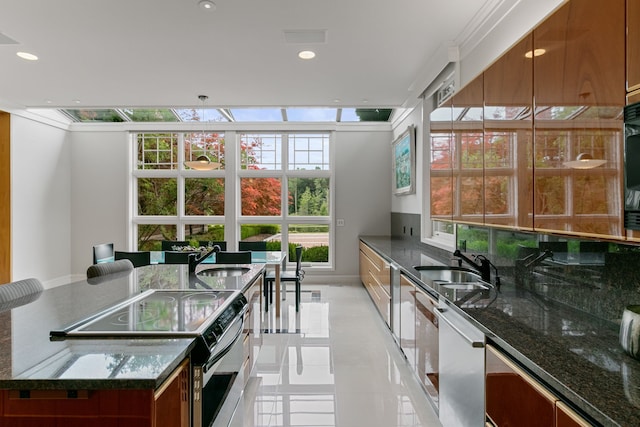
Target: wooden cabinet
x: 508, y: 138
x: 581, y: 55
x: 506, y: 160
x: 172, y: 400
x: 633, y: 45
x: 375, y: 274
x: 566, y: 417
x: 468, y: 162
x: 579, y: 83
x: 513, y: 397
x: 168, y: 406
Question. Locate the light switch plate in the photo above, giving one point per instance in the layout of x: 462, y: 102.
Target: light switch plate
x: 340, y: 222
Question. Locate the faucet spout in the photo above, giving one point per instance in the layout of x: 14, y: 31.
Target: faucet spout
x: 484, y: 267
x: 194, y: 259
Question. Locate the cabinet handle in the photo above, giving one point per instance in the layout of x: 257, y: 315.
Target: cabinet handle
x: 443, y: 317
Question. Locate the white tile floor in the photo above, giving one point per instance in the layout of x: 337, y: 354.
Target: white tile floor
x: 332, y: 364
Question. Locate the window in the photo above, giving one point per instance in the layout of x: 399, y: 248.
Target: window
x: 281, y: 190
x: 294, y: 168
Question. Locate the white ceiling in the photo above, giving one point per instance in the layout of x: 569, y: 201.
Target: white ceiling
x: 146, y: 53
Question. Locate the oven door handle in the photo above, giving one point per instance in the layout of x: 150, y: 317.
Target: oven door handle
x: 219, y: 353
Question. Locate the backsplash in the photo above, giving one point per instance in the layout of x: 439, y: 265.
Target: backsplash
x: 598, y: 278
x: 406, y: 226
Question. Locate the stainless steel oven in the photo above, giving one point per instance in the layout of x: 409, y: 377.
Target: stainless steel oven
x: 214, y: 318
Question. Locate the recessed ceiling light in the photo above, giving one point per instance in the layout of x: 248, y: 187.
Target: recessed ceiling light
x: 306, y: 54
x: 535, y: 52
x: 207, y: 5
x: 28, y: 56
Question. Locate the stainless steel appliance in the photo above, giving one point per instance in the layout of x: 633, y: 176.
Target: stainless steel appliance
x: 214, y: 318
x: 632, y: 166
x: 461, y: 365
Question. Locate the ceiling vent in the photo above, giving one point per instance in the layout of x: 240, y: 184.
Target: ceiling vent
x: 305, y: 36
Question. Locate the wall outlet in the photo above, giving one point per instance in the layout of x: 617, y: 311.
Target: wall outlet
x: 340, y: 222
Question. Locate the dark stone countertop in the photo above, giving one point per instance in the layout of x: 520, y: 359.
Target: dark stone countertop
x: 29, y: 359
x: 574, y: 354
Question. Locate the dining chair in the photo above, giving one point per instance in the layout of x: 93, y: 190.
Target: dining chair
x: 103, y: 253
x: 98, y: 270
x: 224, y: 257
x: 176, y: 257
x: 260, y: 245
x: 138, y: 259
x: 593, y: 246
x: 287, y: 276
x: 20, y: 292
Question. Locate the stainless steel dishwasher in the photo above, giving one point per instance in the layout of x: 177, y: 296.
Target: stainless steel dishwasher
x: 461, y: 366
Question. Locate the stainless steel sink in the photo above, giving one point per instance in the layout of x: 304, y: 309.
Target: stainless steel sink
x: 447, y: 274
x: 224, y: 271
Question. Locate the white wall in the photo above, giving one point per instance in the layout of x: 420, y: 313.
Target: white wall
x: 40, y: 201
x: 99, y: 193
x: 363, y: 188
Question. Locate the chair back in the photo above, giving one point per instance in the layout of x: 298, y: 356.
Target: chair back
x: 103, y: 253
x: 18, y: 293
x: 225, y: 257
x: 252, y: 246
x: 138, y: 259
x: 176, y: 257
x: 98, y: 270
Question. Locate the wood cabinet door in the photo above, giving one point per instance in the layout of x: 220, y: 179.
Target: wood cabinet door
x: 633, y: 45
x: 579, y: 96
x: 584, y: 55
x: 514, y: 398
x: 468, y: 161
x: 566, y: 417
x: 508, y: 138
x: 171, y: 400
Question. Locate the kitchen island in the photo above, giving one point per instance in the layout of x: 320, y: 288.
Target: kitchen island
x: 38, y: 372
x: 571, y: 353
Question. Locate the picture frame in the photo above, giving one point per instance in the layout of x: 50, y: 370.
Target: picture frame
x: 404, y: 162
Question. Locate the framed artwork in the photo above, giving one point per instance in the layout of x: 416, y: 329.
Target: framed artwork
x: 404, y: 163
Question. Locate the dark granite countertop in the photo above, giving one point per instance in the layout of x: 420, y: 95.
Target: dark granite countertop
x: 574, y: 354
x: 29, y: 359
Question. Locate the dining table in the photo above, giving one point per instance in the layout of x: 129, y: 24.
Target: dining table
x: 275, y: 259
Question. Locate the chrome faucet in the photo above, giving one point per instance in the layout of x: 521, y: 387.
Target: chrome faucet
x: 483, y: 267
x: 194, y: 259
